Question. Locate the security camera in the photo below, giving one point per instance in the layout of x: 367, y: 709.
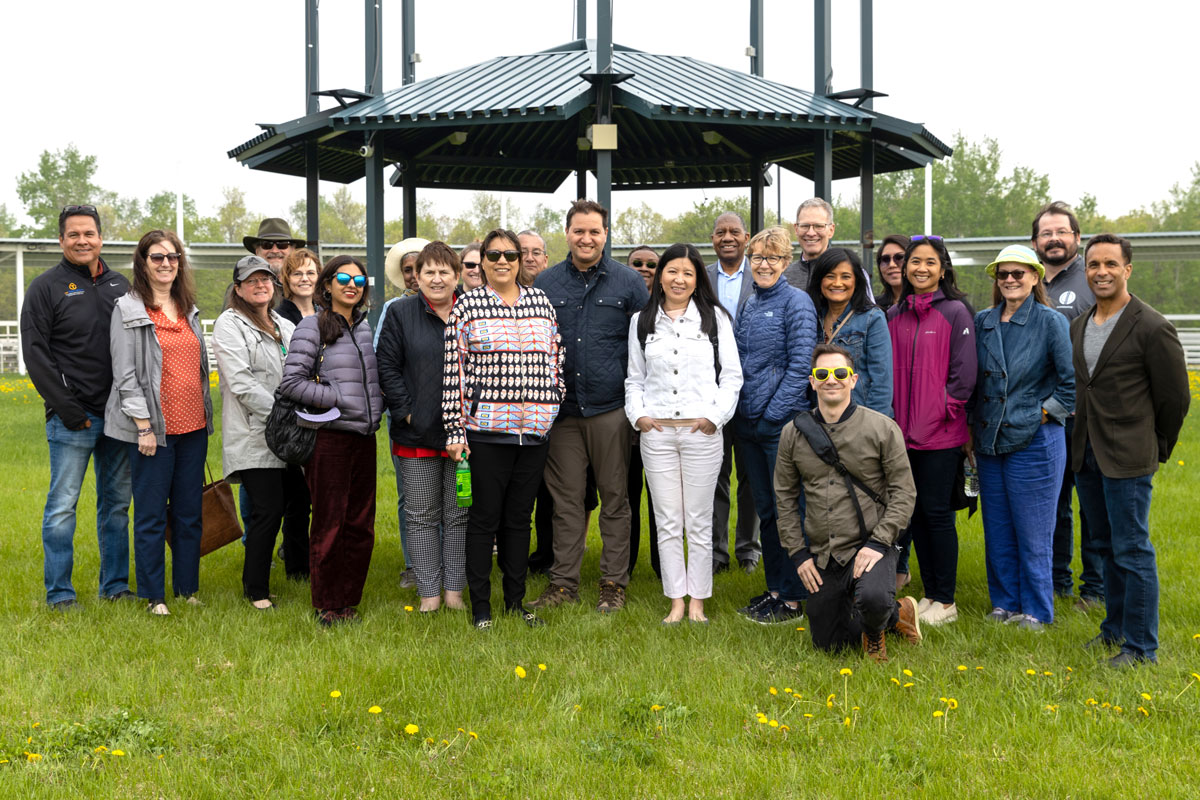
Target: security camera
x: 366, y: 151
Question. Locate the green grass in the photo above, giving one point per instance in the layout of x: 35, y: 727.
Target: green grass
x: 223, y: 701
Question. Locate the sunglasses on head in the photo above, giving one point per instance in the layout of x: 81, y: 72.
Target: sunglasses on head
x: 839, y: 373
x: 920, y: 237
x: 267, y: 244
x: 894, y: 258
x: 509, y: 255
x: 344, y: 279
x: 1015, y: 274
x: 157, y: 258
x: 69, y: 210
x: 637, y: 263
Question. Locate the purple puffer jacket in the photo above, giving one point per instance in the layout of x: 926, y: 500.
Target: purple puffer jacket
x: 933, y: 369
x: 349, y: 377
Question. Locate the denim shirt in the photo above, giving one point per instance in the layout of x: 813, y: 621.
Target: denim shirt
x: 1022, y: 370
x: 865, y: 335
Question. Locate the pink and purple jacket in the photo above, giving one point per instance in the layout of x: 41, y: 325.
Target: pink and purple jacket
x: 933, y: 369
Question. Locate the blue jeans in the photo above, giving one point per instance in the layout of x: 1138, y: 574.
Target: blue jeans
x: 1020, y: 497
x: 759, y: 441
x: 168, y: 485
x: 1118, y: 511
x: 1091, y: 572
x: 70, y: 452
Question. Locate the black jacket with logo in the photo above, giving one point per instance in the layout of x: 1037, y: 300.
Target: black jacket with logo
x: 64, y: 338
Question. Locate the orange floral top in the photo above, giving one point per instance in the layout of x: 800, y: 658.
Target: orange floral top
x: 182, y: 389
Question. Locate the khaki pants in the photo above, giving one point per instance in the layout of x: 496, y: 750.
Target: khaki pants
x: 575, y: 442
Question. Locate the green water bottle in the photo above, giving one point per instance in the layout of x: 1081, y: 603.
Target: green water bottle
x: 462, y: 483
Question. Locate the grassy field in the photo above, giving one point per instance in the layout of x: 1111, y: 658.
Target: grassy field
x: 224, y: 701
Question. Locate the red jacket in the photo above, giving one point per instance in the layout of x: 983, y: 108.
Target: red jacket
x: 933, y: 369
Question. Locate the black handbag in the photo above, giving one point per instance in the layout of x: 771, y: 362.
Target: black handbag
x: 290, y: 441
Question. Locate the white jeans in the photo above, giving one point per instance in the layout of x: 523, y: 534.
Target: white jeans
x: 681, y: 473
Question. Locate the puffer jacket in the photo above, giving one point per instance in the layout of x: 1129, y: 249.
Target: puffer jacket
x: 593, y: 310
x: 347, y: 377
x: 1022, y: 371
x: 411, y: 360
x: 250, y: 365
x: 137, y: 372
x: 776, y: 333
x: 933, y: 375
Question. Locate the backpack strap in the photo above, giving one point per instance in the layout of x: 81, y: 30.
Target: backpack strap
x: 818, y: 439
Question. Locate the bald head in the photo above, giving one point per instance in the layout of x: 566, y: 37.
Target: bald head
x: 729, y: 240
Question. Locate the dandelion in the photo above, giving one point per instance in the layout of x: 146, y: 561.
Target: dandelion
x: 938, y: 713
x: 429, y: 740
x: 961, y: 667
x: 1146, y: 696
x: 1052, y: 709
x: 118, y: 753
x: 773, y: 691
x: 1048, y: 674
x: 854, y: 709
x: 36, y: 725
x: 1070, y: 670
x: 410, y: 729
x: 656, y: 707
x: 408, y: 608
x: 808, y: 716
x: 907, y: 673
x: 542, y: 667
x: 374, y: 710
x: 32, y: 757
x: 1091, y: 701
x: 979, y: 669
x: 784, y: 729
x: 335, y: 694
x: 1180, y: 462
x: 445, y: 743
x: 577, y: 707
x: 908, y: 686
x: 1106, y: 705
x: 1145, y: 713
x: 475, y: 736
x: 1197, y: 636
x: 952, y: 703
x: 896, y: 681
x: 845, y: 671
x: 846, y: 722
x: 787, y: 690
x: 774, y: 723
x: 461, y: 730
x: 101, y: 749
x: 762, y: 720
x: 1031, y: 672
x: 1117, y: 709
x: 519, y: 671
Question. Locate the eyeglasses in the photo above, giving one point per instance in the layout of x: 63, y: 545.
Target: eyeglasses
x: 69, y: 210
x: 535, y: 252
x: 470, y: 264
x: 1015, y: 274
x: 1058, y: 234
x: 345, y: 278
x: 920, y: 237
x: 894, y: 258
x: 637, y: 263
x: 274, y: 245
x: 839, y: 373
x: 818, y: 227
x: 157, y: 258
x: 509, y: 255
x: 772, y: 260
x: 311, y: 274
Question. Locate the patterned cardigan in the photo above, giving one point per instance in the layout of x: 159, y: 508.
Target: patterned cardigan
x: 503, y: 368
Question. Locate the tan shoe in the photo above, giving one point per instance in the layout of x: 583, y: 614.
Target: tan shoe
x: 909, y: 624
x: 939, y: 613
x: 554, y: 595
x: 875, y: 647
x: 923, y: 605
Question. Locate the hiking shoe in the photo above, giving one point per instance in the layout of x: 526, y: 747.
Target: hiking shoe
x: 756, y: 602
x: 909, y: 623
x: 1087, y: 603
x: 775, y: 612
x: 612, y: 597
x: 875, y: 647
x: 939, y: 613
x: 527, y: 616
x: 70, y: 604
x: 748, y: 565
x: 553, y: 596
x: 1128, y: 658
x: 1000, y: 615
x: 408, y: 578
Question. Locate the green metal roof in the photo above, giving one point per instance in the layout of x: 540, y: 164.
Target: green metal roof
x: 682, y: 123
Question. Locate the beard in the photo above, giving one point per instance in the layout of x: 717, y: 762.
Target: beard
x: 1057, y: 261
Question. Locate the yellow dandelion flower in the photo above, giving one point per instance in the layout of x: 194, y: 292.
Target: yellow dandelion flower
x: 1070, y: 670
x: 1146, y: 696
x: 1145, y: 713
x: 429, y: 740
x: 762, y: 720
x: 542, y: 667
x: 952, y: 703
x: 961, y: 668
x: 656, y: 707
x: 787, y: 690
x: 461, y: 730
x: 774, y: 723
x: 784, y: 729
x: 410, y: 729
x: 1091, y: 701
x: 829, y: 704
x: 979, y: 669
x: 846, y: 722
x: 1180, y: 462
x: 1117, y: 709
x: 33, y: 756
x: 36, y: 725
x: 908, y: 686
x: 335, y: 694
x: 759, y: 715
x: 473, y: 734
x: 907, y: 673
x: 855, y: 708
x: 942, y: 699
x: 1197, y: 677
x: 773, y: 690
x: 938, y: 713
x: 808, y: 716
x: 118, y: 753
x: 374, y: 710
x: 1106, y: 705
x: 159, y: 756
x: 408, y: 608
x: 578, y: 707
x: 1197, y: 636
x: 101, y: 749
x: 1048, y: 674
x: 896, y: 681
x: 445, y: 742
x: 1031, y: 672
x: 1052, y: 709
x: 830, y: 698
x: 845, y: 671
x: 519, y: 672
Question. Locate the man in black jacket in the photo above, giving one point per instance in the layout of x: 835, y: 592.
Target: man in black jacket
x: 64, y: 339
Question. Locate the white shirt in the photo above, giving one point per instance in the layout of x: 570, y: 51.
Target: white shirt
x: 674, y: 377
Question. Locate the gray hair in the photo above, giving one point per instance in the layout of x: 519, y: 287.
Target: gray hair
x: 816, y: 202
x: 733, y: 214
x: 528, y: 232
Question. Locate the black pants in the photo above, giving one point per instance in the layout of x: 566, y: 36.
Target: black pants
x: 932, y: 529
x: 843, y: 609
x: 266, y: 490
x: 296, y: 505
x: 634, y: 490
x: 504, y: 482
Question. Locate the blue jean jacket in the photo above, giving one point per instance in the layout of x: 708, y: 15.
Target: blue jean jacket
x: 865, y: 335
x: 1021, y: 371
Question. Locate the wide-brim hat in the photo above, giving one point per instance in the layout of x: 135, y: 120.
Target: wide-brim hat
x: 1017, y: 254
x: 391, y: 264
x: 272, y: 229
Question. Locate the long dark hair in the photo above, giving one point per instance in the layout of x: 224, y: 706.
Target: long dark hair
x: 833, y: 257
x: 329, y: 322
x: 183, y: 289
x: 703, y: 296
x: 947, y: 283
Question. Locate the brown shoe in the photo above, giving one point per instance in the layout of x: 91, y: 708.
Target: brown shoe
x: 612, y: 597
x: 875, y: 647
x: 909, y: 624
x: 555, y: 595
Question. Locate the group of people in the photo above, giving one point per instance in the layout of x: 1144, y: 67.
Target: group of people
x: 855, y: 423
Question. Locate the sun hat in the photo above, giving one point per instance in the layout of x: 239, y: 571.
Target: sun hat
x: 1017, y: 254
x: 275, y: 230
x: 391, y: 264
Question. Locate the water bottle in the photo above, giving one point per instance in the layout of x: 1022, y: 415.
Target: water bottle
x: 462, y: 483
x: 970, y: 482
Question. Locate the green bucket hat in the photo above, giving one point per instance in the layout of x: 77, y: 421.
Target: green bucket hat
x: 1017, y: 254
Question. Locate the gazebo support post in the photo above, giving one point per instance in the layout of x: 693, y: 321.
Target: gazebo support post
x: 757, y: 189
x: 822, y: 86
x: 866, y: 164
x: 312, y: 171
x: 374, y: 161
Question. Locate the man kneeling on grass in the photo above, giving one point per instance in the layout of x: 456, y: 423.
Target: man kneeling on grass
x: 851, y: 465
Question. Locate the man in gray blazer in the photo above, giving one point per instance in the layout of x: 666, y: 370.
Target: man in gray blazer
x: 731, y: 281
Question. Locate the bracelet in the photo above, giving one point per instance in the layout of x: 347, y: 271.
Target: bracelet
x: 145, y: 432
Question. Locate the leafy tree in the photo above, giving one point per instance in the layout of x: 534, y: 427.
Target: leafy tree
x: 696, y: 224
x: 61, y: 178
x: 429, y: 224
x: 1181, y: 211
x: 9, y: 227
x: 230, y: 223
x: 159, y: 213
x: 343, y: 219
x: 638, y: 225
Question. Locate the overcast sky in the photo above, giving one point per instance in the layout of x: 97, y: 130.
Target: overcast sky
x: 1098, y: 94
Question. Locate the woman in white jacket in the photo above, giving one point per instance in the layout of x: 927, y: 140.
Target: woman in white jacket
x: 250, y: 342
x: 684, y: 377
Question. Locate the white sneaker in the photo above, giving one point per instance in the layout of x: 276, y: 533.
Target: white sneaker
x: 923, y: 605
x: 939, y: 613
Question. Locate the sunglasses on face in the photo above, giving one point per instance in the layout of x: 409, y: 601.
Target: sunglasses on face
x: 509, y: 255
x: 920, y: 237
x: 157, y: 258
x: 266, y: 245
x: 894, y: 258
x: 344, y: 279
x: 470, y: 265
x: 1015, y: 274
x: 822, y: 374
x: 637, y: 263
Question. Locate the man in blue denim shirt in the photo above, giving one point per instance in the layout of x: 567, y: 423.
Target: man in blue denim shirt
x: 593, y: 297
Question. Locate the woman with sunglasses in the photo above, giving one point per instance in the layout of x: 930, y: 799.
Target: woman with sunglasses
x: 849, y: 319
x: 331, y: 366
x: 933, y: 374
x: 250, y: 343
x: 472, y: 275
x: 681, y: 390
x: 890, y: 263
x: 1025, y: 390
x: 503, y: 387
x: 160, y: 405
x: 644, y: 261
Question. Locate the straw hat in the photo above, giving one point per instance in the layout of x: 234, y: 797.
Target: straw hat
x: 391, y: 265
